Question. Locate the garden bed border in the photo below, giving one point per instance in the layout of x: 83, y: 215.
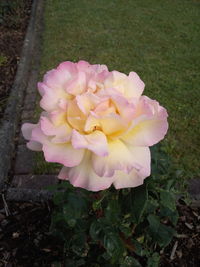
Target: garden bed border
x: 11, y: 118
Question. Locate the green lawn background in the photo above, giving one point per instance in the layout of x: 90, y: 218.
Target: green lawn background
x: 157, y: 39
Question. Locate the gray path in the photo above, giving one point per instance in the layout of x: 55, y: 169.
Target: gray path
x: 17, y: 181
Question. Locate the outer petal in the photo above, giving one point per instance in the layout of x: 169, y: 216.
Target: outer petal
x: 83, y: 65
x: 39, y: 136
x: 124, y: 180
x: 83, y: 176
x: 146, y: 129
x: 27, y: 129
x: 116, y: 80
x: 120, y: 158
x: 99, y: 68
x: 63, y: 174
x: 135, y: 86
x: 51, y: 98
x: 130, y: 86
x: 135, y: 178
x: 58, y: 117
x: 62, y: 133
x: 35, y: 146
x: 63, y: 153
x: 67, y: 67
x: 57, y: 78
x: 96, y: 142
x: 42, y: 88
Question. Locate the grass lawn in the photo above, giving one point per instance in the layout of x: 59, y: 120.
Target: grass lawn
x: 157, y: 39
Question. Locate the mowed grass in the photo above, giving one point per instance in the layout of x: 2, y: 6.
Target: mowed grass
x: 157, y: 39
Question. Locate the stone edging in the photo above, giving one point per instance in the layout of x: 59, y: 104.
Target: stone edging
x: 13, y: 110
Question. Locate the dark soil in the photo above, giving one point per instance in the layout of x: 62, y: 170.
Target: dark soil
x: 187, y: 243
x: 14, y: 17
x: 24, y: 236
x: 25, y: 239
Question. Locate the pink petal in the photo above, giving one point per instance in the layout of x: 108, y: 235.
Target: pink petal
x: 42, y: 88
x: 148, y: 128
x: 136, y: 85
x: 120, y: 158
x: 63, y: 153
x: 68, y: 66
x: 61, y: 133
x: 86, y: 102
x: 57, y: 78
x: 35, y: 146
x: 27, y: 129
x: 63, y: 174
x: 83, y: 176
x: 77, y: 85
x: 96, y: 142
x: 112, y: 124
x: 129, y: 86
x: 124, y: 107
x: 83, y: 65
x: 124, y: 180
x: 51, y: 98
x: 75, y: 116
x: 141, y: 155
x: 99, y: 68
x: 38, y: 135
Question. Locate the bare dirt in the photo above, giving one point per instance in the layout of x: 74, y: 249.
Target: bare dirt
x: 14, y: 17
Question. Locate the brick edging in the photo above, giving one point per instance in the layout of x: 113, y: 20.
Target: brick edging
x: 11, y: 117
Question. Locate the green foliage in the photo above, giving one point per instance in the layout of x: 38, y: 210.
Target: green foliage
x: 159, y: 232
x: 126, y: 227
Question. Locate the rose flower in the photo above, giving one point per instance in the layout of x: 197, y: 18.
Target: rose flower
x: 97, y: 124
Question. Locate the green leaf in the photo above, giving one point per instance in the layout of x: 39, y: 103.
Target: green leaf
x: 167, y: 199
x: 138, y: 247
x: 126, y: 229
x: 159, y: 232
x: 139, y: 197
x: 75, y: 208
x: 113, y: 245
x: 78, y: 244
x: 130, y: 261
x: 74, y: 263
x: 96, y: 230
x: 96, y: 205
x: 58, y: 198
x: 106, y: 256
x: 56, y: 264
x: 77, y: 203
x: 171, y: 215
x: 112, y: 211
x: 153, y: 261
x: 82, y: 225
x: 152, y: 205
